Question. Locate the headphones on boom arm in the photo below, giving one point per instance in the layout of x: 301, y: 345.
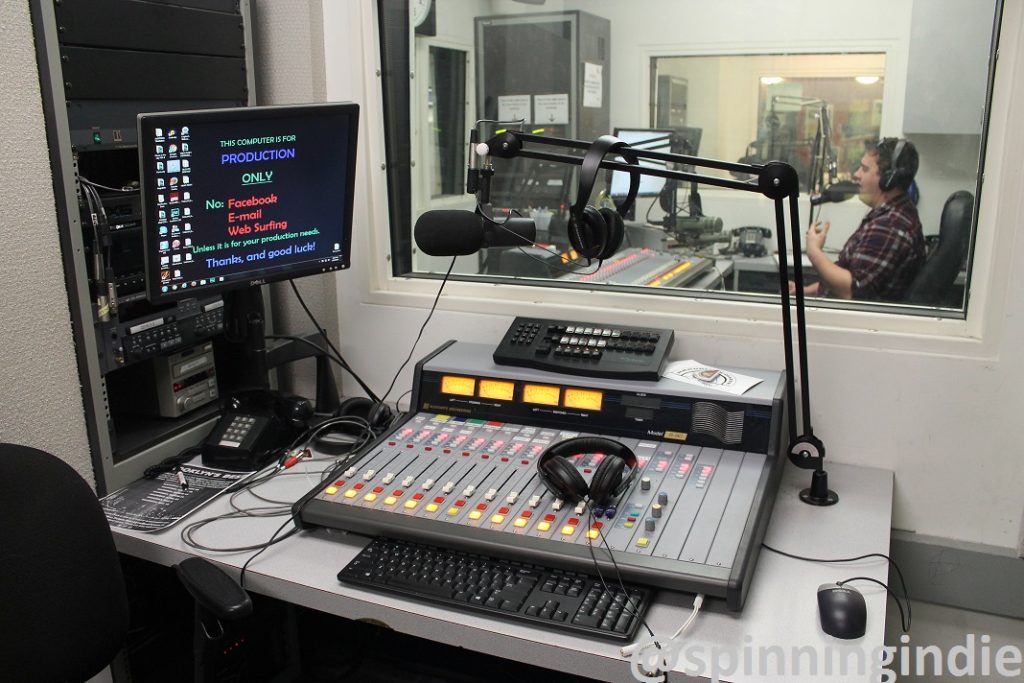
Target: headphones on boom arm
x: 564, y: 481
x: 597, y: 233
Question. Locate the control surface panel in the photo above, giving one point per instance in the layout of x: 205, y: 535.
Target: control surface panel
x: 692, y: 519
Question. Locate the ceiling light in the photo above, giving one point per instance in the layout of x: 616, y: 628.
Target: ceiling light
x: 771, y: 80
x: 867, y: 80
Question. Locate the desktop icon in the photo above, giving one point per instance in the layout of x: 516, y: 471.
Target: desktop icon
x: 184, y: 131
x: 159, y: 149
x: 158, y: 133
x: 172, y: 149
x: 159, y: 182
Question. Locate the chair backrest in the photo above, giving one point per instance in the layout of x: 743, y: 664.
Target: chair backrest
x: 63, y: 604
x: 932, y: 283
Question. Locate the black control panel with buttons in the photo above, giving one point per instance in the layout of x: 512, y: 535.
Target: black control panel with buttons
x: 580, y: 348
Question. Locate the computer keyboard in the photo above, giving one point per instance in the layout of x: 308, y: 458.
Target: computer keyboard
x: 580, y: 348
x: 543, y: 596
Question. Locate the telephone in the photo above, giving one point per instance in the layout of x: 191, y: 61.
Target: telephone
x: 255, y: 425
x: 750, y: 240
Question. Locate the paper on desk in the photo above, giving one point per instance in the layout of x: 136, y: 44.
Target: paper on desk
x: 692, y: 372
x: 155, y: 504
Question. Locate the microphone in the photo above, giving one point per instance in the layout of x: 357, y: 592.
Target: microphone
x: 454, y: 232
x: 836, y: 192
x: 697, y: 224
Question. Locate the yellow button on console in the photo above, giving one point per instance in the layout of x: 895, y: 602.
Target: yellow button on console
x: 544, y: 526
x: 643, y: 541
x: 453, y: 511
x: 475, y: 514
x: 568, y: 530
x: 520, y: 523
x: 390, y: 500
x: 593, y: 533
x: 331, y: 490
x: 370, y: 497
x: 411, y: 504
x: 432, y: 507
x: 497, y: 519
x: 351, y: 493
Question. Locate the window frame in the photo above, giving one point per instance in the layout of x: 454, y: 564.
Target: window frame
x: 875, y: 327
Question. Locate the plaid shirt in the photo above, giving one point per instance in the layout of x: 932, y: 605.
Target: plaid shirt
x: 885, y: 252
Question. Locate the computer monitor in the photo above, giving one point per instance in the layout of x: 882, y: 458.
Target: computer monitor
x: 235, y: 198
x: 648, y: 139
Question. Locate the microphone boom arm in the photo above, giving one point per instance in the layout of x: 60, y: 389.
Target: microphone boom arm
x: 775, y: 180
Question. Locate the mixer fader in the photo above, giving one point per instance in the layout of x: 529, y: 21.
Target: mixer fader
x: 462, y: 472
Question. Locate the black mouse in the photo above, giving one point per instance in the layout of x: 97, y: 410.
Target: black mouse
x: 842, y: 611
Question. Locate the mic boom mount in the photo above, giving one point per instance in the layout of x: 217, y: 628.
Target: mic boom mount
x: 775, y: 180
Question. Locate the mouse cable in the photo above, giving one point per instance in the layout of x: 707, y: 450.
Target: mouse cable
x: 892, y: 562
x: 904, y: 618
x: 323, y: 333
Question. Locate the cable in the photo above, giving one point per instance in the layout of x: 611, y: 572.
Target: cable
x: 359, y: 381
x: 124, y: 188
x: 522, y: 249
x: 618, y: 573
x: 903, y: 583
x: 904, y: 622
x: 416, y: 341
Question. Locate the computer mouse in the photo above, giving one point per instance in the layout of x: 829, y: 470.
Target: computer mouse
x: 842, y: 611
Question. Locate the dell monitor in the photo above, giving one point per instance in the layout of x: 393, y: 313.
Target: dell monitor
x: 683, y: 140
x: 648, y: 140
x: 235, y: 198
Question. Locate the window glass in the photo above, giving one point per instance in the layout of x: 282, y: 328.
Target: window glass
x: 812, y: 84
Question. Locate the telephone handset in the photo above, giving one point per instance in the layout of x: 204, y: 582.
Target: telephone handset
x: 750, y: 240
x: 253, y: 428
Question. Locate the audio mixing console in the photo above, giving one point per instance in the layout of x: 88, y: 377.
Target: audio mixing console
x: 643, y: 266
x: 461, y: 472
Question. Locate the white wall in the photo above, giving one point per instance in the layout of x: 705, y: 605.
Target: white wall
x: 938, y: 411
x: 39, y: 391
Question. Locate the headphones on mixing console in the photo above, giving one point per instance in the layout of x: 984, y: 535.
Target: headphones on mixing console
x: 597, y: 233
x: 901, y: 171
x: 564, y: 481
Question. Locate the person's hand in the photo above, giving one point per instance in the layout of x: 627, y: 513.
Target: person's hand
x: 816, y: 235
x: 792, y: 288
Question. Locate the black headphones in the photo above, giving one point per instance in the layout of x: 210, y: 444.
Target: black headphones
x: 377, y: 415
x: 597, y: 233
x: 565, y: 482
x: 896, y: 175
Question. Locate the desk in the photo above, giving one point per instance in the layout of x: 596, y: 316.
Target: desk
x: 780, y: 610
x: 761, y: 273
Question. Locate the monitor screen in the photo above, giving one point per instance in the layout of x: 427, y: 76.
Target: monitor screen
x: 646, y: 139
x: 235, y: 198
x: 684, y: 140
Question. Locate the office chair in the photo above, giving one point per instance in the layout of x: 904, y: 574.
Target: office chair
x: 63, y: 604
x: 932, y: 284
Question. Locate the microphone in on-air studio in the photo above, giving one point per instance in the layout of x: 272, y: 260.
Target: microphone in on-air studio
x: 836, y: 192
x: 453, y: 232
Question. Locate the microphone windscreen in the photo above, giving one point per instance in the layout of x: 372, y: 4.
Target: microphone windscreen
x: 449, y: 232
x: 515, y: 231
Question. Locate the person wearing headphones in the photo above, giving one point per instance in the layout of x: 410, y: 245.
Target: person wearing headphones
x: 883, y: 255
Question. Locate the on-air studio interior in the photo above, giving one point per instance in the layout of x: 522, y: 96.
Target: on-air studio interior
x: 506, y: 340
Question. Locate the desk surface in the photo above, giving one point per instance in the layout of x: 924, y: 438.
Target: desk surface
x: 778, y: 625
